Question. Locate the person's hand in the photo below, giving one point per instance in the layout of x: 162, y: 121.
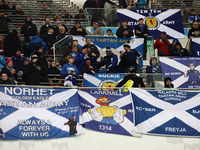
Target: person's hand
x: 46, y: 53
x: 93, y: 54
x: 13, y: 72
x: 138, y: 32
x: 137, y: 61
x: 185, y: 72
x: 146, y: 34
x: 121, y: 53
x: 69, y: 72
x: 50, y: 81
x: 197, y: 33
x: 92, y: 72
x: 160, y: 41
x: 73, y: 73
x: 126, y: 32
x: 137, y: 3
x: 3, y: 136
x: 90, y: 67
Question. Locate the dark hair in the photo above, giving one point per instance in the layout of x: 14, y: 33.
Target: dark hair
x: 124, y: 21
x: 67, y: 54
x: 164, y: 32
x: 192, y: 10
x: 46, y: 18
x: 109, y: 30
x: 191, y: 63
x: 194, y: 21
x: 140, y: 19
x: 75, y: 40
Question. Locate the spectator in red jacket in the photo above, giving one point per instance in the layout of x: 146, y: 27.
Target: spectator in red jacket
x: 162, y: 45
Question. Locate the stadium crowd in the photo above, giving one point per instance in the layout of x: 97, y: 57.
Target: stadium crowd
x: 35, y: 68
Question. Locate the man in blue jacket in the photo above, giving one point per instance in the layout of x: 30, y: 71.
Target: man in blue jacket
x: 110, y: 60
x: 37, y: 41
x: 140, y: 4
x: 79, y: 59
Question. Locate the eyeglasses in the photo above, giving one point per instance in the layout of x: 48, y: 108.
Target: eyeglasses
x: 195, y: 24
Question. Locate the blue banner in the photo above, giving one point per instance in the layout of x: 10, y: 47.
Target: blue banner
x: 116, y: 44
x: 107, y: 111
x: 184, y: 71
x: 157, y: 20
x: 38, y: 113
x: 196, y: 46
x: 166, y: 112
x: 102, y: 79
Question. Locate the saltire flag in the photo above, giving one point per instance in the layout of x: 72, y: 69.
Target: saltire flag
x: 102, y: 79
x: 183, y: 71
x: 157, y: 21
x: 166, y: 112
x: 196, y: 46
x: 38, y: 113
x: 107, y: 111
x: 115, y: 43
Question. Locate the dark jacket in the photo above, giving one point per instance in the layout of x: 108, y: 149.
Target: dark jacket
x: 18, y: 62
x: 129, y: 58
x: 192, y: 32
x: 54, y: 70
x: 8, y: 81
x: 75, y: 32
x: 90, y: 4
x: 8, y: 72
x: 182, y: 52
x: 29, y: 29
x: 85, y: 69
x: 61, y: 36
x: 44, y: 67
x: 137, y: 81
x: 49, y: 40
x: 31, y: 74
x: 17, y: 12
x: 121, y: 30
x: 11, y: 44
x: 143, y: 30
x: 4, y: 23
x: 43, y: 29
x: 93, y: 49
x: 111, y: 63
x: 4, y: 7
x: 172, y: 49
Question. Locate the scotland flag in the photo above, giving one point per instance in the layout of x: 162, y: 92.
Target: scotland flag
x: 116, y: 44
x: 183, y: 71
x: 196, y: 46
x: 102, y: 79
x: 38, y: 113
x: 107, y: 111
x: 157, y: 20
x: 166, y: 112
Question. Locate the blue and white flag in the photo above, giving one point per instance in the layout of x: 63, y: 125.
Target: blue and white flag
x: 115, y: 43
x: 107, y: 111
x: 38, y: 113
x: 102, y: 79
x: 157, y: 21
x: 196, y: 46
x: 166, y: 112
x: 183, y: 71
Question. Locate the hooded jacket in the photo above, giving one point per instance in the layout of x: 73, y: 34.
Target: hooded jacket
x: 182, y: 51
x: 29, y: 29
x: 4, y: 23
x: 75, y: 32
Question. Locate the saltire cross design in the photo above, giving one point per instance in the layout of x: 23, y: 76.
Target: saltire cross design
x: 157, y: 21
x: 107, y: 111
x: 196, y: 46
x: 176, y: 67
x: 166, y: 112
x: 37, y: 113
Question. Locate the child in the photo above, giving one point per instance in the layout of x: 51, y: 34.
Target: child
x: 70, y: 73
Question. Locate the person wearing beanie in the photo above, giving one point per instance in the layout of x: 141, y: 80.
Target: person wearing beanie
x: 78, y: 29
x: 3, y: 5
x: 28, y: 29
x: 70, y: 72
x: 130, y: 57
x: 168, y: 83
x: 97, y: 30
x: 87, y: 67
x: 9, y: 69
x: 172, y: 47
x: 32, y: 72
x: 181, y: 52
x: 79, y: 59
x: 42, y: 63
x: 18, y: 61
x: 110, y: 60
x: 131, y: 80
x: 124, y: 30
